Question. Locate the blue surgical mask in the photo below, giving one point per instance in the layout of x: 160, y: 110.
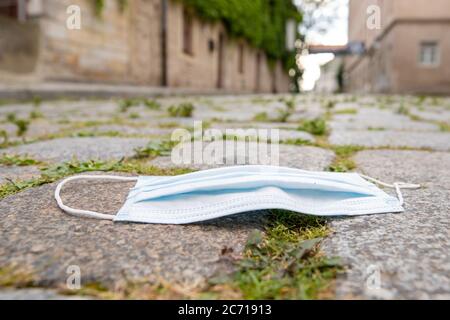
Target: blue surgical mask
x: 216, y: 193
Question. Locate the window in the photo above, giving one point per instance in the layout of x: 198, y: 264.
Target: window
x: 241, y: 58
x: 9, y: 8
x: 187, y: 32
x: 429, y: 53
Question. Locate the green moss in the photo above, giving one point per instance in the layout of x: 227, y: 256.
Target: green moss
x: 346, y: 111
x: 36, y: 114
x: 284, y: 262
x: 403, y: 110
x: 444, y: 126
x: 168, y: 125
x: 329, y: 104
x: 261, y: 117
x: 342, y: 165
x: 21, y: 124
x: 152, y: 104
x: 376, y: 128
x: 343, y: 161
x: 126, y: 104
x: 17, y: 160
x: 260, y: 101
x: 55, y: 172
x: 12, y: 276
x: 11, y: 117
x: 346, y: 150
x: 298, y: 142
x: 283, y: 115
x: 134, y: 115
x: 3, y: 138
x: 99, y: 7
x: 317, y: 126
x: 111, y: 133
x: 36, y: 101
x: 183, y: 110
x: 122, y: 4
x: 290, y: 104
x: 154, y: 149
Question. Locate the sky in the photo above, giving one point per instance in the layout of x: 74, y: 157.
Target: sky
x: 335, y: 34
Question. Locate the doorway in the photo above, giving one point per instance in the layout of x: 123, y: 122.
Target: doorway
x: 258, y: 73
x: 220, y: 55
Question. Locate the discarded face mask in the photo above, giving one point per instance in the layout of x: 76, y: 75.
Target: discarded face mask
x: 216, y: 193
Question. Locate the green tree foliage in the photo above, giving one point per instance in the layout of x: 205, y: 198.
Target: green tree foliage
x: 261, y: 22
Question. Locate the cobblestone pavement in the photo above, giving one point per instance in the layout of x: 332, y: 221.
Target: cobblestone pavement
x: 387, y: 256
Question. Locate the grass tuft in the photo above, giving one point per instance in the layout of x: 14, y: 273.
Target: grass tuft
x: 183, y: 110
x: 343, y: 161
x: 17, y: 160
x: 317, y: 126
x: 55, y: 172
x: 155, y: 149
x: 284, y: 262
x: 11, y: 276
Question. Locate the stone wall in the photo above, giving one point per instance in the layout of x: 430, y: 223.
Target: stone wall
x: 198, y: 69
x: 145, y: 53
x: 392, y: 63
x: 99, y: 51
x: 19, y: 46
x: 125, y: 46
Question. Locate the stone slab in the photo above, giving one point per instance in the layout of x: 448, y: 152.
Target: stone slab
x: 430, y: 140
x: 302, y: 157
x: 16, y: 173
x: 64, y: 149
x: 111, y: 253
x: 405, y: 255
x: 127, y: 130
x: 36, y: 294
x: 371, y: 118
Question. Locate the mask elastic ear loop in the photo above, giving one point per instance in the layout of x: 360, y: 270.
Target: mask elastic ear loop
x: 396, y: 185
x: 86, y: 213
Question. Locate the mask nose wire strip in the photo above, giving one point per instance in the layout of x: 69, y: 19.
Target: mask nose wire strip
x: 396, y: 185
x: 87, y: 213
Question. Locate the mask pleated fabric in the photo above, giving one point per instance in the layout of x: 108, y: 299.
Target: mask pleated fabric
x: 216, y: 193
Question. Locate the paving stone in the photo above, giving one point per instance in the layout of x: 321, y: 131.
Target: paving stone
x: 9, y: 128
x: 432, y: 115
x: 36, y: 129
x: 65, y: 149
x: 18, y: 173
x: 42, y: 128
x: 284, y: 135
x: 19, y: 110
x: 254, y: 125
x: 127, y: 130
x: 107, y: 252
x: 371, y: 118
x: 36, y: 294
x: 304, y: 157
x: 409, y: 250
x: 307, y: 114
x: 79, y: 110
x: 432, y: 140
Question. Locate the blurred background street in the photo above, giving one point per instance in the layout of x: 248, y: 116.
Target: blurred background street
x: 101, y: 85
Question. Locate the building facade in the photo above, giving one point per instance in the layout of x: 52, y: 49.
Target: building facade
x: 408, y: 51
x: 141, y: 42
x: 328, y: 82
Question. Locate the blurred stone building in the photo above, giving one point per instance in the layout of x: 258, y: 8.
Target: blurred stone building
x: 328, y: 81
x: 148, y: 42
x: 409, y: 53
